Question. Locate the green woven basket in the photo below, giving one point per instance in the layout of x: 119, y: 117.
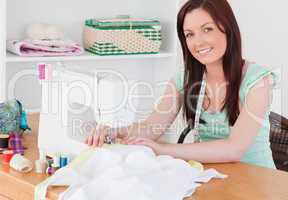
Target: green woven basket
x: 122, y: 36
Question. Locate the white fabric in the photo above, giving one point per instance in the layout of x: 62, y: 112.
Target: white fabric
x: 129, y: 172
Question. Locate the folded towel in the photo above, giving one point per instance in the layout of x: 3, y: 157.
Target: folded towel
x: 32, y: 48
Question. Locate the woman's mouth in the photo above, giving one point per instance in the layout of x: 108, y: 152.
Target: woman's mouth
x: 205, y: 51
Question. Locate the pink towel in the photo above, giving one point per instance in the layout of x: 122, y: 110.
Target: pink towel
x: 31, y: 48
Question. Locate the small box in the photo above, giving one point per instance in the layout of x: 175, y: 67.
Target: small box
x: 122, y: 36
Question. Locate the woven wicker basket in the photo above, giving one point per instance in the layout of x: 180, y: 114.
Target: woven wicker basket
x: 122, y: 36
x: 279, y: 140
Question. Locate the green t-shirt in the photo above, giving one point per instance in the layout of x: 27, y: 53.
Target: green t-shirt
x: 217, y: 125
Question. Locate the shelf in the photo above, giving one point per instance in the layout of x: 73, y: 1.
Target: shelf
x: 11, y: 58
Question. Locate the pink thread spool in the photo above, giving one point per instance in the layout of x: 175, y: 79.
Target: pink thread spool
x: 15, y: 143
x: 41, y: 71
x: 51, y: 169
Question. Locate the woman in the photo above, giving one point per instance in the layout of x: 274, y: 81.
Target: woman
x: 233, y: 96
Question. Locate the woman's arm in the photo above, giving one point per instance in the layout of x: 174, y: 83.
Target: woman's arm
x: 161, y: 118
x: 242, y: 134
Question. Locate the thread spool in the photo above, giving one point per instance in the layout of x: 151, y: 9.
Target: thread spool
x: 51, y: 170
x: 55, y: 167
x: 63, y: 161
x: 40, y: 166
x: 4, y: 139
x: 49, y: 162
x: 15, y: 143
x: 7, y: 155
x: 56, y: 161
x: 42, y: 155
x: 41, y: 71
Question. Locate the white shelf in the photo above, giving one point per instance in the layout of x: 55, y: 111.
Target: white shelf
x: 13, y: 26
x: 12, y: 58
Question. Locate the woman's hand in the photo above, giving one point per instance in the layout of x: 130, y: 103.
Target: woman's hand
x: 156, y: 147
x: 98, y: 137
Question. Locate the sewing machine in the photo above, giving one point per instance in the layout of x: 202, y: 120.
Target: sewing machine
x: 74, y: 103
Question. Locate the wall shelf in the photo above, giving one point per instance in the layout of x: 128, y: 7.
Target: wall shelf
x: 12, y: 58
x: 148, y: 68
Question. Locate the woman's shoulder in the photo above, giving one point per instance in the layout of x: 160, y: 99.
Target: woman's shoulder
x: 252, y: 74
x: 251, y: 69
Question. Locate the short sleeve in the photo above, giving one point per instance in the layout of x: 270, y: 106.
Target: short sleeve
x: 178, y: 78
x: 254, y: 74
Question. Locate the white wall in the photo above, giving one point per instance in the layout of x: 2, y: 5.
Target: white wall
x: 2, y: 49
x: 262, y: 23
x: 264, y: 29
x: 71, y: 19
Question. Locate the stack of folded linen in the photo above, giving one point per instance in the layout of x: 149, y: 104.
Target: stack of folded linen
x: 44, y: 40
x: 32, y: 47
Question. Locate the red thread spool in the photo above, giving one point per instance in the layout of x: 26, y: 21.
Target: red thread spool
x: 7, y: 155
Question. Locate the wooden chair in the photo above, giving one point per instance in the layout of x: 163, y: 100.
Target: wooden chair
x: 279, y: 140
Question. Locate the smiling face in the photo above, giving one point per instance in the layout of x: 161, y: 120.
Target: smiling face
x: 205, y: 41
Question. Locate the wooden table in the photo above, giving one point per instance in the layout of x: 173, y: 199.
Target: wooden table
x: 244, y: 182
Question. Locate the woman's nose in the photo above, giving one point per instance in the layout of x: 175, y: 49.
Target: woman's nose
x: 198, y: 40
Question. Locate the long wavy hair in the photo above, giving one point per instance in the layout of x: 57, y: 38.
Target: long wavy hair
x: 223, y: 16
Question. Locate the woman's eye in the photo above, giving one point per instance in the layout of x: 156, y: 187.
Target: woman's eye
x: 189, y: 35
x: 206, y: 30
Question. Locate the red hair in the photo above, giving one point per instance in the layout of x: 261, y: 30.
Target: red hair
x: 223, y: 16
